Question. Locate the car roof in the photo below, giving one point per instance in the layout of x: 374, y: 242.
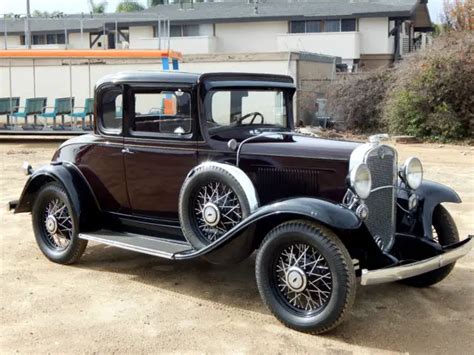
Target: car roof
x: 150, y: 76
x: 156, y: 76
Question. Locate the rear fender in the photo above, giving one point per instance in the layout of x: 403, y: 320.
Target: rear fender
x: 432, y: 194
x: 321, y: 211
x: 82, y: 199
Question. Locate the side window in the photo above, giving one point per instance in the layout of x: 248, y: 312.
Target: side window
x: 111, y: 104
x: 163, y: 112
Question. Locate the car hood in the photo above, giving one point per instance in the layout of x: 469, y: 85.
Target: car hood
x: 303, y: 147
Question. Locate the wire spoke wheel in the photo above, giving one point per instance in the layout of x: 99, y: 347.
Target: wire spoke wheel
x: 57, y: 224
x: 303, y: 278
x: 435, y: 235
x: 216, y: 209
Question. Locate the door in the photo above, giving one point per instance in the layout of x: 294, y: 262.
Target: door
x: 160, y: 149
x: 101, y: 161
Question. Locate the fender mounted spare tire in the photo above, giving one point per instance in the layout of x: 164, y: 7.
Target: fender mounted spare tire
x: 214, y: 198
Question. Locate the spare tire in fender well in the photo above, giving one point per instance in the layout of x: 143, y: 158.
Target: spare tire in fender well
x: 226, y: 191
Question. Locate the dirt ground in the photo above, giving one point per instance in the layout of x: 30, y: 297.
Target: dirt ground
x: 119, y: 301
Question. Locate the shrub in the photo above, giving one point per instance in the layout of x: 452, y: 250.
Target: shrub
x: 355, y: 100
x: 428, y: 95
x: 432, y: 92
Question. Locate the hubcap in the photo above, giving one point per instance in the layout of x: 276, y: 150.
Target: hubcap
x: 296, y: 279
x: 217, y: 210
x: 51, y: 224
x: 303, y: 278
x: 211, y: 214
x: 58, y: 225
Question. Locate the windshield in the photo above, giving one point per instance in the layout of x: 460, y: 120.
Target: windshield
x: 260, y: 108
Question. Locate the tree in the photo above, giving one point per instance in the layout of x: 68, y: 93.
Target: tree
x: 129, y: 6
x: 97, y: 7
x: 458, y: 15
x: 157, y: 2
x: 38, y: 13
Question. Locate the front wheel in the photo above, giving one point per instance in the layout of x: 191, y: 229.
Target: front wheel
x: 56, y: 226
x: 305, y: 276
x: 445, y: 232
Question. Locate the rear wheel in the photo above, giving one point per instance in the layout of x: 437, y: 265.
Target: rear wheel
x: 445, y: 232
x: 305, y: 276
x: 56, y: 226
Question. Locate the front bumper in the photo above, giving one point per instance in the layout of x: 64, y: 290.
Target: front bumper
x: 372, y: 277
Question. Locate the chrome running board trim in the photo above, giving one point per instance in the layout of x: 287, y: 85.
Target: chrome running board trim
x: 163, y: 248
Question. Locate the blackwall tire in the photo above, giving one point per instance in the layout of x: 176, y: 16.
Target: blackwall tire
x: 446, y: 233
x: 220, y: 188
x: 280, y: 281
x: 52, y: 211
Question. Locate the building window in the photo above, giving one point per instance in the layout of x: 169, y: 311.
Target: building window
x: 54, y: 38
x: 332, y: 26
x: 176, y: 31
x: 348, y: 25
x: 316, y: 26
x: 182, y: 31
x: 191, y: 30
x: 297, y: 26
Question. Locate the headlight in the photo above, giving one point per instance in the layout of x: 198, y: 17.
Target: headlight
x: 27, y: 169
x: 412, y: 172
x: 361, y: 180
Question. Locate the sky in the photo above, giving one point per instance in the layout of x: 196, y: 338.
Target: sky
x: 78, y: 6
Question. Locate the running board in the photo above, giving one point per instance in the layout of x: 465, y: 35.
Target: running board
x: 161, y: 247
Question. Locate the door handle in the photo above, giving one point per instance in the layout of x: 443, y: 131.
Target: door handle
x: 127, y: 151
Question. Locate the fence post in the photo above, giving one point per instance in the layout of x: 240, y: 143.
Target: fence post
x: 5, y: 32
x: 158, y: 32
x: 34, y: 78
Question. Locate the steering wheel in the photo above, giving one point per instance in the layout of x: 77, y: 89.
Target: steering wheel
x: 254, y: 115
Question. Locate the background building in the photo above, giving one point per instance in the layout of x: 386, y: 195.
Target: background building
x: 364, y: 33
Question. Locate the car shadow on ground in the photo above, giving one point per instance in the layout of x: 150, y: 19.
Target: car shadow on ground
x: 390, y: 316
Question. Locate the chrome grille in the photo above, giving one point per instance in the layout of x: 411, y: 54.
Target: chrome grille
x: 382, y: 162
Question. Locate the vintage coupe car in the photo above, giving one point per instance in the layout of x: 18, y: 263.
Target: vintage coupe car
x: 184, y: 165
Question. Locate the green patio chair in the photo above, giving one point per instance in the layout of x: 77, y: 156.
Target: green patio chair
x: 9, y: 105
x: 87, y: 111
x: 33, y: 107
x: 62, y: 106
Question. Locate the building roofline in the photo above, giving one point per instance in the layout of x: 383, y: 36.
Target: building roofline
x: 237, y: 13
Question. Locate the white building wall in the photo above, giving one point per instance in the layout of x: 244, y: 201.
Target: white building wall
x: 374, y: 38
x: 78, y: 42
x: 185, y: 45
x: 340, y: 44
x: 206, y: 29
x: 137, y: 34
x: 12, y: 42
x: 249, y: 36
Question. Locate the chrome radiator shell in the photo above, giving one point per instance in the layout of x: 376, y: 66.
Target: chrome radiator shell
x: 382, y: 162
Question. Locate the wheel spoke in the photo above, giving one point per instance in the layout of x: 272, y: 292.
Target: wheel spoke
x: 57, y: 215
x: 226, y: 205
x: 302, y: 262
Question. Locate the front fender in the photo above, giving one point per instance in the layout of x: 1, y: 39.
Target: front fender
x: 328, y: 213
x: 76, y: 186
x: 432, y: 194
